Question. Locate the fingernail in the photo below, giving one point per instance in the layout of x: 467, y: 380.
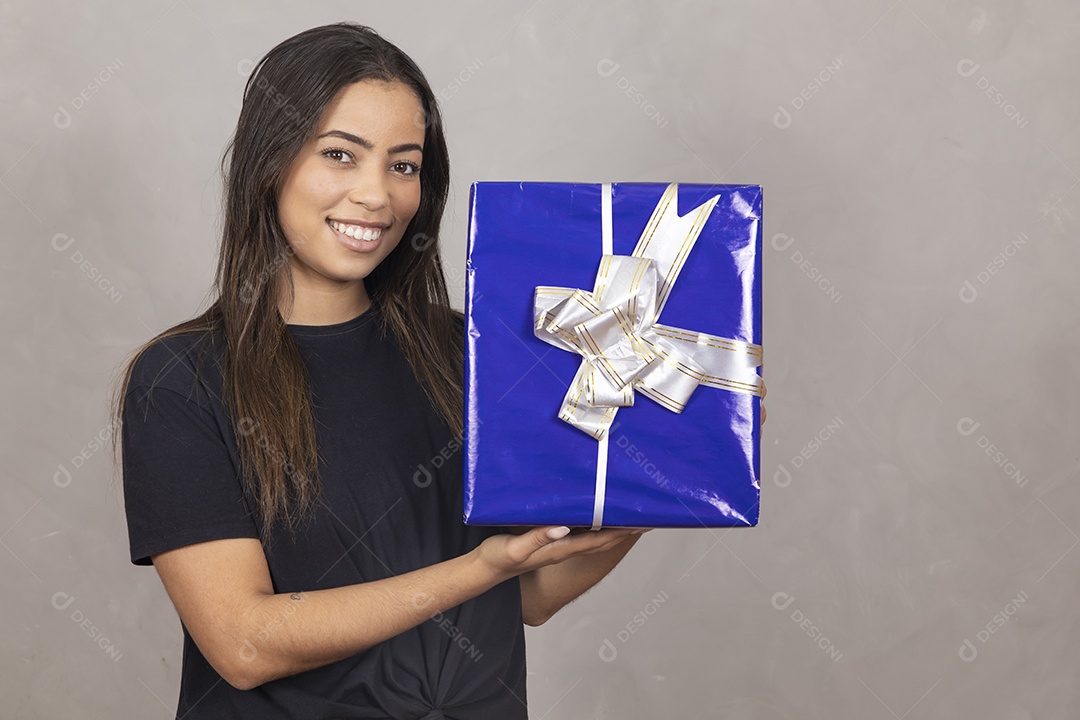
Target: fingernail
x: 559, y: 532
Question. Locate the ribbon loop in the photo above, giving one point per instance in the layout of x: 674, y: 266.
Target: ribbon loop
x: 671, y: 378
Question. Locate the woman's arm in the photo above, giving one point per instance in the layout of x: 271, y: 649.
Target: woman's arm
x: 223, y: 593
x: 548, y: 589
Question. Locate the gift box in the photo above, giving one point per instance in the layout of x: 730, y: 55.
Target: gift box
x: 613, y: 353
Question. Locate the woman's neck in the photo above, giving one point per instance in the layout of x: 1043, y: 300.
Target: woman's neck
x: 325, y: 306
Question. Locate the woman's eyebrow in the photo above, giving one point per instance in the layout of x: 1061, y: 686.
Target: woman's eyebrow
x: 367, y: 145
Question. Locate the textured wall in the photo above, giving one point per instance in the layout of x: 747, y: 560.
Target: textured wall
x: 917, y: 553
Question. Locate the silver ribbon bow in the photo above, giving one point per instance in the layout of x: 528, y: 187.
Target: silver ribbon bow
x: 615, y: 330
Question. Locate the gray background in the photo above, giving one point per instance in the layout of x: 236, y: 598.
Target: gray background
x: 920, y: 319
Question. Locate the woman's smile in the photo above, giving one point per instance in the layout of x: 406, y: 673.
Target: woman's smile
x: 357, y: 237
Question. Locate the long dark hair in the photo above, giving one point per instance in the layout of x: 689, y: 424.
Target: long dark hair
x: 264, y: 376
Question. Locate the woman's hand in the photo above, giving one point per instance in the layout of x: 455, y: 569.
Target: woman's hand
x: 763, y: 391
x: 509, y: 555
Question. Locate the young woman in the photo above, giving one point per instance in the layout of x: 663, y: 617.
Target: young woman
x: 270, y: 445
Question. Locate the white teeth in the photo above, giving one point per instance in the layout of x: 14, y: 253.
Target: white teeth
x: 356, y: 232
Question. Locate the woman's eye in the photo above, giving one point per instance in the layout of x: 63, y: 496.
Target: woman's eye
x: 332, y: 153
x: 407, y: 168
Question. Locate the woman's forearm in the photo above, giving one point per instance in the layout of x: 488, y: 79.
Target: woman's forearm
x: 547, y: 590
x: 284, y: 634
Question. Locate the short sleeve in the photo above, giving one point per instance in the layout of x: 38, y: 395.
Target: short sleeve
x: 180, y: 481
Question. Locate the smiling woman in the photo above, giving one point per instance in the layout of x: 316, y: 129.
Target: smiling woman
x: 272, y: 446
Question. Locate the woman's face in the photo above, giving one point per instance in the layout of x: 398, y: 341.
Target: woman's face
x: 347, y: 197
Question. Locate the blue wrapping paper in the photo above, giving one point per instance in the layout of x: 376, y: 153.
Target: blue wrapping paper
x: 526, y: 466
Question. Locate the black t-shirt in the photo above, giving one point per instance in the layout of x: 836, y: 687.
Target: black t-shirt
x: 392, y: 479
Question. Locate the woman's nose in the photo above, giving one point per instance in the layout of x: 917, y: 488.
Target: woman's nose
x: 370, y: 190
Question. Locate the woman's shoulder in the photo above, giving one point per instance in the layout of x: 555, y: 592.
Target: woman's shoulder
x: 180, y: 362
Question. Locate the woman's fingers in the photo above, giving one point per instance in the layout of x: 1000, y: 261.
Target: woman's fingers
x: 764, y: 391
x: 557, y: 533
x: 609, y: 545
x: 544, y: 536
x: 513, y: 553
x: 591, y: 541
x: 573, y: 543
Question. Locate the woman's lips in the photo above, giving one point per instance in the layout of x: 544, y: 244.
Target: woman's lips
x: 356, y: 231
x: 357, y: 244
